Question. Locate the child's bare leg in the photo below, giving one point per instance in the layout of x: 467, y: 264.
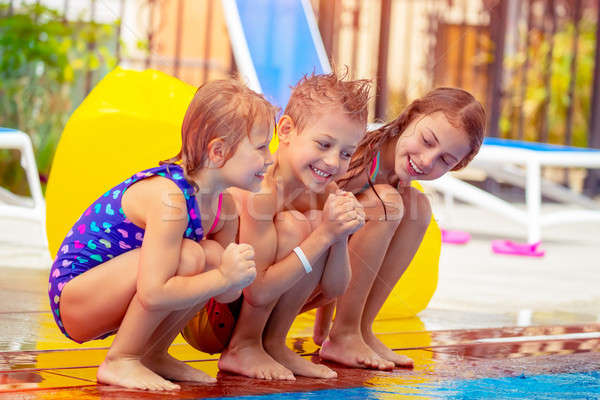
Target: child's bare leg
x: 157, y: 357
x: 122, y: 365
x: 245, y: 354
x: 323, y: 317
x: 88, y: 313
x: 86, y: 316
x: 289, y: 306
x: 325, y: 308
x: 367, y: 247
x: 401, y: 251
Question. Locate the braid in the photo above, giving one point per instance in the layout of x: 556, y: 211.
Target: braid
x: 373, y: 142
x: 460, y: 108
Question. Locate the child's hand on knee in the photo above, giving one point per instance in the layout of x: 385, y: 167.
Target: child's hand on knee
x: 237, y: 265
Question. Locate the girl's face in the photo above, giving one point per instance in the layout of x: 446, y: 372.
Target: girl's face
x: 246, y: 167
x: 428, y: 148
x: 321, y: 152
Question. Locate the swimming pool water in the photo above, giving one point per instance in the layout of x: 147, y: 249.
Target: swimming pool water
x: 559, y: 386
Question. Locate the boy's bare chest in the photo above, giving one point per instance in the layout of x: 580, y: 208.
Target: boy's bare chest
x: 306, y: 202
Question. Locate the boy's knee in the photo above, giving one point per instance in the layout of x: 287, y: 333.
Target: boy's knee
x: 292, y: 227
x: 192, y: 258
x: 314, y: 218
x: 417, y: 207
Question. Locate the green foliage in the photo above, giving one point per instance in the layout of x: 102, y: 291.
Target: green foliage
x: 43, y: 67
x: 536, y: 93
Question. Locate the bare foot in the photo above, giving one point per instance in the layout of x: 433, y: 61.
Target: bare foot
x: 171, y: 368
x: 131, y: 373
x: 398, y: 359
x: 253, y: 362
x: 297, y: 364
x: 352, y: 351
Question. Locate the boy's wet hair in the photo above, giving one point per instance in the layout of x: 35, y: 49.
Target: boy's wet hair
x: 225, y: 109
x: 316, y: 95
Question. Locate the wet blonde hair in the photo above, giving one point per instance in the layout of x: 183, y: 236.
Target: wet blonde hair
x: 317, y: 94
x: 225, y: 109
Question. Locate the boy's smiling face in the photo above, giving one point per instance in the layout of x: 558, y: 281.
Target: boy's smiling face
x: 320, y: 153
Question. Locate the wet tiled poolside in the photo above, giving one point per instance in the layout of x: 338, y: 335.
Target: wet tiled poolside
x: 36, y: 361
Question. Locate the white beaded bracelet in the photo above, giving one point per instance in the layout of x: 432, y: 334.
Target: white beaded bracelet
x: 303, y: 259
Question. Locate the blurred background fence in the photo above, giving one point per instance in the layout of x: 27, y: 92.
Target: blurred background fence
x: 533, y: 63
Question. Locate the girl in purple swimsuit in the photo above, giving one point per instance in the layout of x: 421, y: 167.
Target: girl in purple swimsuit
x: 137, y: 262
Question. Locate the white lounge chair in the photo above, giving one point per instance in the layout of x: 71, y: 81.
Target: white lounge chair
x: 501, y: 156
x: 15, y: 206
x: 264, y: 61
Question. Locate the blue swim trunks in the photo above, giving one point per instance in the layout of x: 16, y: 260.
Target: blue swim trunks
x: 103, y: 232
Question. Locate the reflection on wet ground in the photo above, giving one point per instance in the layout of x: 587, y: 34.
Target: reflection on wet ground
x: 432, y: 366
x: 36, y: 361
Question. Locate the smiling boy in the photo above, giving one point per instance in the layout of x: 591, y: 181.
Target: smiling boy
x: 298, y: 224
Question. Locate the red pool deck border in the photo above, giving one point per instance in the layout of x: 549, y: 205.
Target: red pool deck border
x: 458, y: 354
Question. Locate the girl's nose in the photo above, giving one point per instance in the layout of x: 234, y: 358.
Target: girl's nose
x: 427, y: 161
x: 332, y: 161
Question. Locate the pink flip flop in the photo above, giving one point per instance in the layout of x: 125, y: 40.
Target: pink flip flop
x: 455, y: 237
x: 517, y: 249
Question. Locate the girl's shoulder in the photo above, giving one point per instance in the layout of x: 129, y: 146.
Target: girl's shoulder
x: 160, y: 183
x: 155, y: 194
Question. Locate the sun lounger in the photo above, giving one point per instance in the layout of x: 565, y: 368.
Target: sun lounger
x: 501, y: 156
x: 13, y: 205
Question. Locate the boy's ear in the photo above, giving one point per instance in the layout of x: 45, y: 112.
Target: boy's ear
x: 285, y: 128
x: 217, y: 152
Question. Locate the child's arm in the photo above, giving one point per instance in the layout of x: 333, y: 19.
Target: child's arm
x: 323, y: 317
x: 337, y: 273
x: 158, y: 286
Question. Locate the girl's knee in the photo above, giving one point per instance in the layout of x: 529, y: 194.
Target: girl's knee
x: 417, y: 206
x: 383, y: 204
x: 314, y: 218
x: 212, y: 253
x: 192, y: 258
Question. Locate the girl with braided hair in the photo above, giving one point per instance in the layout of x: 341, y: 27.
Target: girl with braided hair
x: 437, y: 133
